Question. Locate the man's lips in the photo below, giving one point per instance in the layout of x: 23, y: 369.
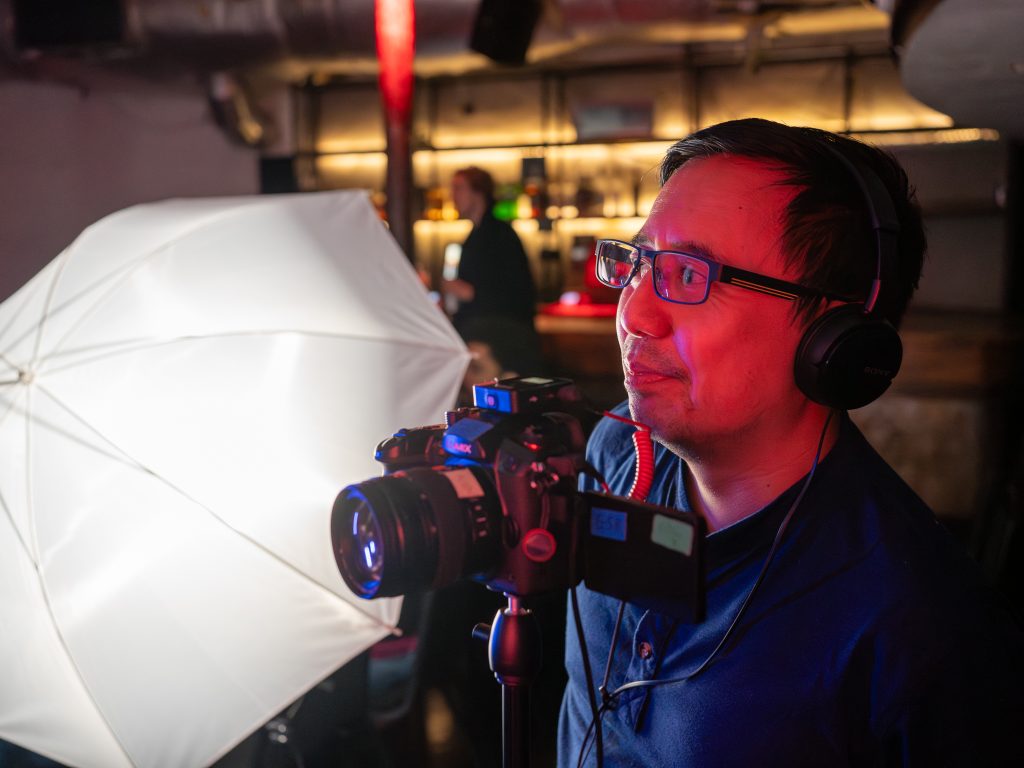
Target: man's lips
x: 639, y: 371
x: 642, y: 371
x: 645, y: 363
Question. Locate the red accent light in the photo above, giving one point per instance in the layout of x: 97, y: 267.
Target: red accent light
x: 395, y: 24
x: 579, y: 310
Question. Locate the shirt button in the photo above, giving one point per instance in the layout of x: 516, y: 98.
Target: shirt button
x: 645, y: 650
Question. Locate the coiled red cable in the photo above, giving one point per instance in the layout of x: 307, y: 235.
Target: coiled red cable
x: 643, y: 450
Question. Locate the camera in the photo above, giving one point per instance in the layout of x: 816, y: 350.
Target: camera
x: 491, y: 495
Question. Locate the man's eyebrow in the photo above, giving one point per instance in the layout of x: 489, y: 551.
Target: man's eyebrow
x: 640, y: 240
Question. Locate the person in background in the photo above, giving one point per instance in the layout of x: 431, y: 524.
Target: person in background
x: 494, y: 277
x: 844, y: 625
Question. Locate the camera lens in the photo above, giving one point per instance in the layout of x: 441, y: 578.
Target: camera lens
x: 368, y: 548
x: 419, y: 529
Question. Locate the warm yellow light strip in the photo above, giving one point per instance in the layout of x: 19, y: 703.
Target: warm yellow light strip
x: 588, y: 226
x: 642, y: 150
x: 469, y: 156
x: 457, y: 228
x: 942, y: 136
x: 633, y: 150
x: 461, y: 227
x: 828, y: 21
x: 897, y: 121
x: 351, y: 162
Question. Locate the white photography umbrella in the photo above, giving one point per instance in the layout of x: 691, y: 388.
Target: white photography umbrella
x: 185, y: 390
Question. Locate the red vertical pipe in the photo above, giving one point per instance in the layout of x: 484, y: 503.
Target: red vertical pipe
x: 394, y: 21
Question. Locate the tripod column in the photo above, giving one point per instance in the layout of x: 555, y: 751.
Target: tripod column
x: 514, y: 651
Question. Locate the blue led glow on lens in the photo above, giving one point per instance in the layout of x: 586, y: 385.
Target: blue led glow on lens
x: 369, y: 557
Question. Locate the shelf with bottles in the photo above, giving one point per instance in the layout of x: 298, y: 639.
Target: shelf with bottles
x: 557, y: 207
x: 558, y: 197
x: 556, y: 182
x: 579, y: 180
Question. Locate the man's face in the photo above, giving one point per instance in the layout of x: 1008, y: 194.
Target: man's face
x: 463, y: 196
x: 704, y: 374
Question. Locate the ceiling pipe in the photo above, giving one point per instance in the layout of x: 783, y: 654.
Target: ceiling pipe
x: 216, y: 35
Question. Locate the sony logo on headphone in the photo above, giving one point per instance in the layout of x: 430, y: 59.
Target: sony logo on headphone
x: 877, y: 371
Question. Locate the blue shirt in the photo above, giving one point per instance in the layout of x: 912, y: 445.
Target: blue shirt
x: 871, y: 641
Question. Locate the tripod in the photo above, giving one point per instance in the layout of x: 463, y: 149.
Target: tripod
x: 514, y: 651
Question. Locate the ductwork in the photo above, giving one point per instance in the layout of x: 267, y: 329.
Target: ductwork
x: 230, y: 34
x: 213, y: 35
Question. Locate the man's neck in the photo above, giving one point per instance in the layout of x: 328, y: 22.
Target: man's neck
x: 726, y: 485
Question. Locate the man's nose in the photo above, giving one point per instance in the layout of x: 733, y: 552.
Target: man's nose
x: 641, y: 312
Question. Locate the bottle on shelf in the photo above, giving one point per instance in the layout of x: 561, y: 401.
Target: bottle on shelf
x: 589, y: 202
x: 506, y: 203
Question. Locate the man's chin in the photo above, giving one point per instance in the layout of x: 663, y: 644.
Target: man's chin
x: 660, y: 411
x: 646, y: 405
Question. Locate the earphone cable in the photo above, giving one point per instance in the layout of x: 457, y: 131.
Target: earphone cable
x: 757, y: 582
x: 588, y: 675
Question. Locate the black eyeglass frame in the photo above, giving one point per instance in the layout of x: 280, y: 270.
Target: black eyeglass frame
x: 717, y: 273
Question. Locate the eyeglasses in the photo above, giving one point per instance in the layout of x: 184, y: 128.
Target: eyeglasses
x: 683, y: 278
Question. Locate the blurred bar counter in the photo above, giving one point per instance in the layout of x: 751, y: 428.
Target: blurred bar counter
x: 578, y: 341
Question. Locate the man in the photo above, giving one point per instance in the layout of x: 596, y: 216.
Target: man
x: 843, y: 625
x: 494, y: 276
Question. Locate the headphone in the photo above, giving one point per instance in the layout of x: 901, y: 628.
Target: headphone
x: 849, y: 356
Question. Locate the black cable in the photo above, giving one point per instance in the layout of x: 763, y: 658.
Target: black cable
x: 595, y: 725
x: 593, y: 472
x: 757, y: 582
x: 611, y: 652
x: 587, y: 673
x: 609, y: 699
x: 606, y: 699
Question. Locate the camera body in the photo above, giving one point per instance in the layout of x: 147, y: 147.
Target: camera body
x: 491, y: 495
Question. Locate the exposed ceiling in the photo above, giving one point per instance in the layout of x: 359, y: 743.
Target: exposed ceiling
x: 299, y: 39
x: 962, y: 57
x: 965, y: 58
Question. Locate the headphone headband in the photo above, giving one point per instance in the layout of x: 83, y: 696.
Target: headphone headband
x: 849, y: 356
x: 884, y: 222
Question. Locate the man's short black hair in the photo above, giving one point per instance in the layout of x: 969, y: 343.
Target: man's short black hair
x: 827, y: 234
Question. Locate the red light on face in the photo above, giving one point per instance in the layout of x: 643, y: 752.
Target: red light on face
x: 394, y: 21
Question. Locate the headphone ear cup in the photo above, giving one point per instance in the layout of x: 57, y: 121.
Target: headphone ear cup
x: 846, y: 359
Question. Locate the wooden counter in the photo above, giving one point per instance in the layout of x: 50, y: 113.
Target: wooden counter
x: 585, y: 350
